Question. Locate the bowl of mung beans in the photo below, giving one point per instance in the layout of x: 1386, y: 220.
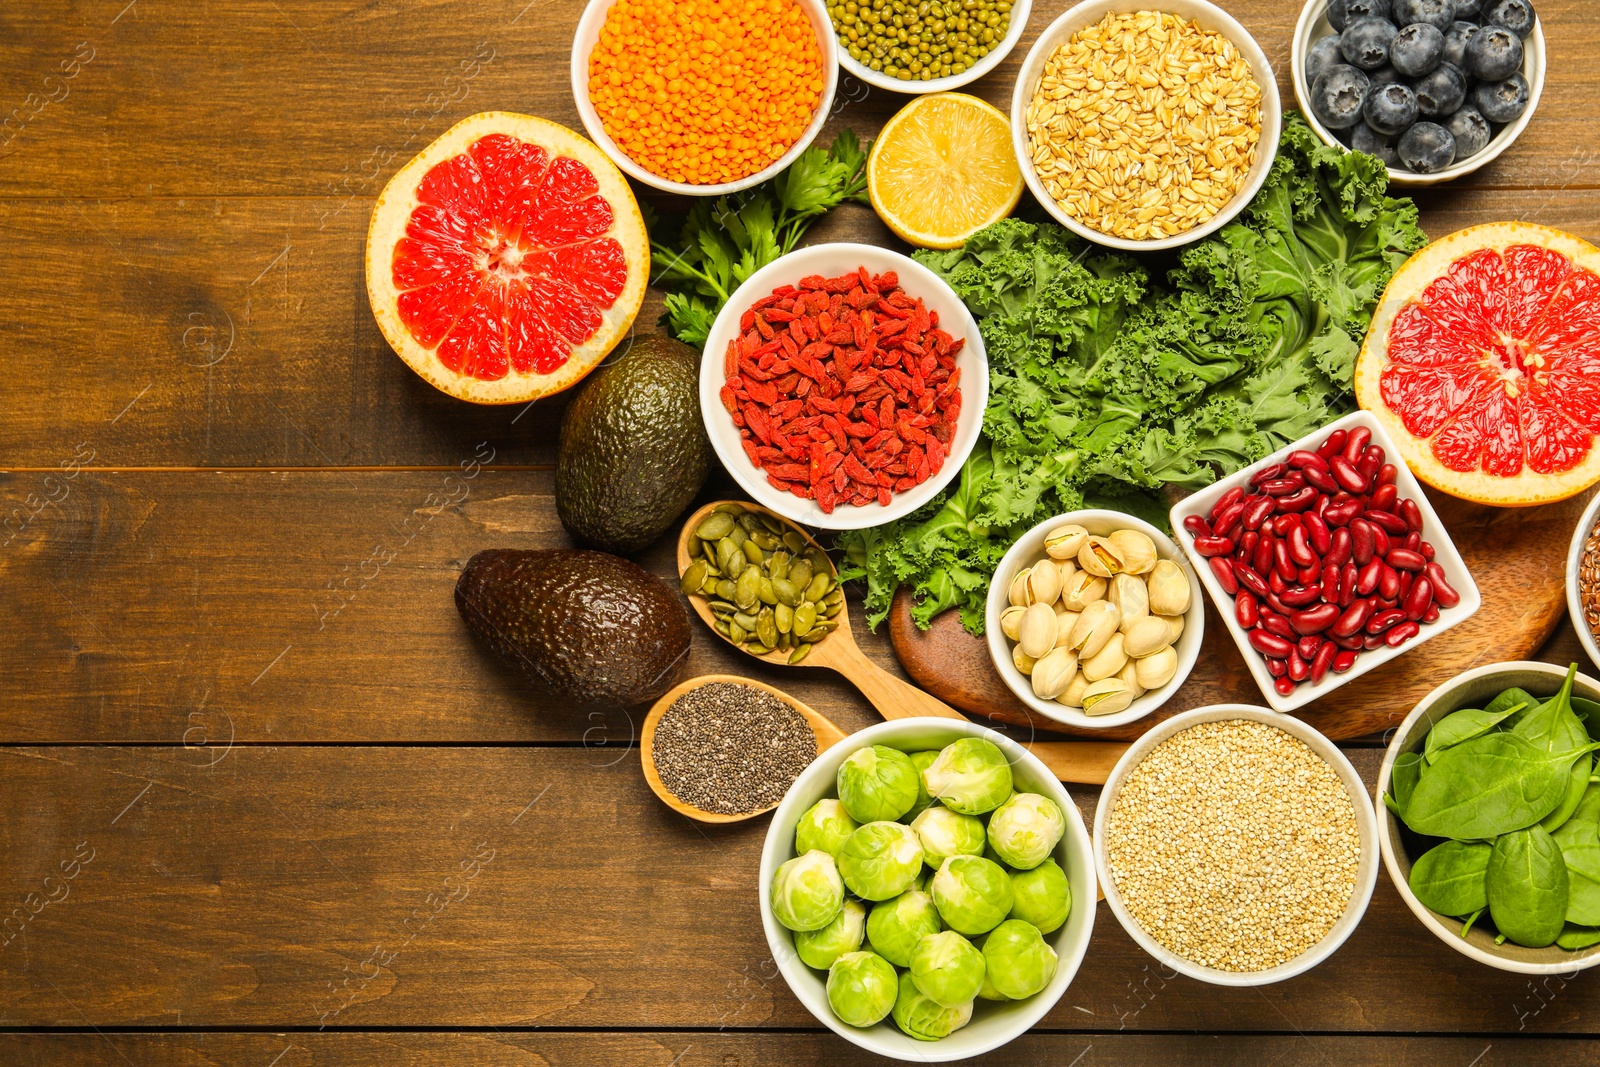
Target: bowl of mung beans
x: 925, y: 46
x: 1236, y: 845
x: 704, y: 97
x: 1145, y: 129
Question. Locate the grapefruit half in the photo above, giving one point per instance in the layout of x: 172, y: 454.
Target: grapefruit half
x: 1483, y: 362
x: 506, y: 259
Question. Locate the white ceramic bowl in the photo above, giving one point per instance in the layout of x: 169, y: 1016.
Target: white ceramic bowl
x: 1472, y: 689
x: 832, y: 260
x: 1366, y: 827
x: 1433, y: 531
x: 879, y: 80
x: 1313, y: 26
x: 583, y: 42
x: 993, y: 1024
x: 1591, y: 515
x: 1030, y: 548
x: 1210, y: 17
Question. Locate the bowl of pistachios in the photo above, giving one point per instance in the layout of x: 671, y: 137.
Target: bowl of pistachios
x: 1094, y: 618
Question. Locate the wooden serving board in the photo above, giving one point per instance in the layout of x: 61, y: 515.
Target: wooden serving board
x: 1517, y: 556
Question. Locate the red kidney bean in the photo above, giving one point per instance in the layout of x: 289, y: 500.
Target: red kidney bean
x: 1354, y: 618
x: 1247, y: 545
x: 1261, y: 560
x: 1322, y: 661
x: 1245, y: 610
x: 1372, y: 641
x: 1413, y: 541
x: 1369, y: 465
x: 1317, y: 533
x: 1383, y: 620
x: 1427, y: 551
x: 1353, y: 643
x: 1300, y: 500
x: 1418, y: 599
x: 1443, y: 591
x: 1384, y: 498
x: 1370, y: 576
x: 1340, y: 547
x: 1282, y: 486
x: 1256, y: 511
x: 1433, y: 613
x: 1387, y: 474
x: 1282, y: 524
x: 1362, y: 542
x: 1405, y: 559
x: 1349, y: 578
x: 1401, y: 634
x: 1224, y: 524
x: 1302, y: 458
x: 1335, y: 443
x: 1340, y: 514
x: 1346, y: 474
x: 1320, y: 478
x: 1276, y: 604
x: 1311, y: 574
x: 1249, y: 579
x: 1407, y: 579
x: 1388, y: 583
x: 1330, y: 583
x: 1270, y: 644
x: 1267, y: 474
x: 1356, y: 443
x: 1197, y: 525
x: 1343, y: 661
x: 1299, y: 596
x: 1226, y: 501
x: 1275, y: 582
x: 1284, y: 686
x: 1317, y: 509
x: 1298, y: 547
x: 1381, y: 541
x: 1410, y: 512
x: 1307, y: 646
x: 1392, y: 524
x: 1277, y: 625
x: 1284, y: 561
x: 1214, y: 546
x: 1222, y: 569
x: 1277, y: 667
x: 1315, y: 620
x: 1299, y: 669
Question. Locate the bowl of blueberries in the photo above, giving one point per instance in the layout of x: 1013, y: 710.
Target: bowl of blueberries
x: 1434, y: 88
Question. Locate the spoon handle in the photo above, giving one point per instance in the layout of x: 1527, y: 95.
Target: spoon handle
x: 894, y: 698
x: 1079, y: 762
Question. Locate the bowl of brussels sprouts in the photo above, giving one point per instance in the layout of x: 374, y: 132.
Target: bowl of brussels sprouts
x: 927, y: 889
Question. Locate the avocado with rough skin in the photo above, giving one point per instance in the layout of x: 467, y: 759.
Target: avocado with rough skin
x: 633, y: 451
x: 586, y: 629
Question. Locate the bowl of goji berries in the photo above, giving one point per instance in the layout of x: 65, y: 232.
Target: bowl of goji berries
x: 843, y: 385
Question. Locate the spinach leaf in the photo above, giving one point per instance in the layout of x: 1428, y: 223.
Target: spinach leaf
x: 1554, y: 727
x: 1589, y: 712
x: 1488, y: 786
x: 1450, y: 878
x: 1576, y: 937
x: 1403, y: 779
x: 1579, y: 841
x: 1514, y: 695
x: 1466, y: 927
x: 1577, y: 784
x: 1461, y: 726
x: 1528, y: 887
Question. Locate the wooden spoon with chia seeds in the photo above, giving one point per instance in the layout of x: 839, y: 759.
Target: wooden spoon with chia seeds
x: 1085, y: 762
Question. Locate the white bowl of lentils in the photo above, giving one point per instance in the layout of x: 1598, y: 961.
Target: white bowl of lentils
x: 1143, y: 127
x: 1236, y: 845
x: 1583, y: 580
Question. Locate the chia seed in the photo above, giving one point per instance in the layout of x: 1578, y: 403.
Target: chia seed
x: 729, y: 749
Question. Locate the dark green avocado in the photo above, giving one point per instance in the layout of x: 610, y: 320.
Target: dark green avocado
x: 633, y: 451
x: 586, y: 629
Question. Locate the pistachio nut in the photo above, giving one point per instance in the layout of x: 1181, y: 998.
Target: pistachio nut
x: 1111, y: 658
x: 1017, y: 593
x: 1068, y: 568
x: 1129, y: 676
x: 1064, y: 542
x: 1022, y: 660
x: 1107, y: 697
x: 1072, y: 696
x: 1081, y: 590
x: 1094, y: 628
x: 1053, y: 673
x: 1157, y: 669
x: 1137, y: 550
x: 1044, y: 583
x: 1146, y: 637
x: 1065, y: 621
x: 1127, y: 592
x: 1174, y: 626
x: 1011, y: 622
x: 1169, y: 589
x: 1101, y: 557
x: 1036, y: 635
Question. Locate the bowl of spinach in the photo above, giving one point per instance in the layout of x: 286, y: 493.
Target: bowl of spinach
x: 1489, y: 816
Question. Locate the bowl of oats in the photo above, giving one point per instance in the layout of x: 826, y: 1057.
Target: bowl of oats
x: 1145, y: 129
x: 1583, y: 580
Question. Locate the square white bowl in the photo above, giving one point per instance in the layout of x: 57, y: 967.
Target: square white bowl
x: 993, y: 1024
x: 1433, y: 531
x: 830, y: 261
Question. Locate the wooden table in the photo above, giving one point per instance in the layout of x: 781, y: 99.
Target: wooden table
x: 240, y: 755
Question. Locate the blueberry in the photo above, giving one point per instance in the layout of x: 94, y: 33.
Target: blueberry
x: 1365, y: 42
x: 1324, y: 54
x: 1470, y: 129
x: 1455, y: 42
x: 1337, y: 95
x: 1438, y: 13
x: 1337, y: 16
x: 1514, y: 15
x: 1365, y: 139
x: 1417, y: 49
x: 1502, y: 101
x: 1441, y: 91
x: 1493, y: 54
x: 1427, y: 148
x: 1342, y: 12
x: 1384, y: 75
x: 1390, y: 110
x: 1469, y: 10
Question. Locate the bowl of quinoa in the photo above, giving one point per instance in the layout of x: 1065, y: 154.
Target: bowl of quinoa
x: 1236, y: 845
x: 1583, y: 580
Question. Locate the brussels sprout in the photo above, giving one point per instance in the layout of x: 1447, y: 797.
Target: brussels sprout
x: 973, y: 894
x: 921, y: 761
x: 1024, y: 830
x: 807, y: 892
x: 947, y: 969
x: 924, y: 1018
x: 819, y: 948
x: 946, y: 833
x: 861, y: 988
x: 970, y: 776
x: 877, y: 784
x: 824, y: 826
x: 1017, y: 959
x: 987, y: 991
x: 894, y: 927
x: 880, y: 860
x: 1041, y: 896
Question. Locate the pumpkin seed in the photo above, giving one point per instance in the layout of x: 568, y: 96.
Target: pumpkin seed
x: 821, y: 583
x: 767, y: 591
x: 805, y: 617
x: 748, y: 590
x: 784, y: 615
x: 753, y: 549
x: 800, y: 572
x: 778, y: 565
x: 746, y: 620
x: 794, y: 542
x: 694, y: 577
x: 714, y: 527
x: 785, y: 591
x: 800, y: 652
x: 755, y: 648
x: 736, y: 633
x: 721, y: 607
x: 767, y: 627
x: 725, y: 588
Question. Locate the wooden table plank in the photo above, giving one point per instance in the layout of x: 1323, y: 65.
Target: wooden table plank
x: 318, y: 98
x: 298, y: 886
x: 731, y: 1049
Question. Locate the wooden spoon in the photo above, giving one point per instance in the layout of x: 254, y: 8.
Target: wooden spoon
x: 828, y: 735
x: 1083, y: 762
